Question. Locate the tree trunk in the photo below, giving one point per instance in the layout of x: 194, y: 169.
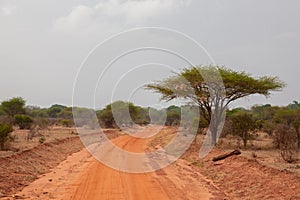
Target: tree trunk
x: 213, y: 135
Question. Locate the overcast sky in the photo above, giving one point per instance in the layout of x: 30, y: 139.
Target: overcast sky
x: 43, y: 43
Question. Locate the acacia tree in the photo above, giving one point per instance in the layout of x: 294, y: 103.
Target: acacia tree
x: 201, y: 86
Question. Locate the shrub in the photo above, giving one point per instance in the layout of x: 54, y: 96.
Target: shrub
x: 5, y: 131
x: 66, y: 122
x: 13, y: 106
x: 285, y: 139
x: 243, y: 125
x: 23, y: 121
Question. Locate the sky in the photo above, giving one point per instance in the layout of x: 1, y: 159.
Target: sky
x: 57, y: 51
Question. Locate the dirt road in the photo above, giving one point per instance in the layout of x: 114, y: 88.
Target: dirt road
x: 82, y: 177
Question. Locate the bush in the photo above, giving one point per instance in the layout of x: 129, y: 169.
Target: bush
x: 286, y: 140
x: 23, y: 121
x: 66, y: 122
x: 243, y: 125
x: 13, y: 106
x: 42, y: 123
x: 5, y: 131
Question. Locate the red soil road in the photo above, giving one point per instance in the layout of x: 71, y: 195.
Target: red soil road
x: 101, y: 182
x: 83, y: 177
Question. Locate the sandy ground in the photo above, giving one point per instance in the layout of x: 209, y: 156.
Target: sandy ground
x: 83, y: 177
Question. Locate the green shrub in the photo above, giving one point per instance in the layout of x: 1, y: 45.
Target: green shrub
x: 66, y: 122
x: 5, y: 131
x: 23, y: 121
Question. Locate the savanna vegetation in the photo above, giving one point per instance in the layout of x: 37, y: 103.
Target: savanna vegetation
x: 282, y: 124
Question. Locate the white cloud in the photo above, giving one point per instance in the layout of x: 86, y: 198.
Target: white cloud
x: 129, y: 12
x: 8, y: 10
x: 79, y: 17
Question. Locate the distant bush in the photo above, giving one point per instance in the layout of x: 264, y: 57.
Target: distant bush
x: 243, y: 125
x: 286, y: 140
x: 13, y: 106
x: 119, y: 111
x: 66, y: 122
x: 23, y: 121
x: 5, y: 131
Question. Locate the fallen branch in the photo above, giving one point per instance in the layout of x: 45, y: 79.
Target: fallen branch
x: 223, y: 156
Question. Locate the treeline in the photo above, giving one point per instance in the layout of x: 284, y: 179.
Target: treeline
x: 15, y: 114
x: 280, y: 123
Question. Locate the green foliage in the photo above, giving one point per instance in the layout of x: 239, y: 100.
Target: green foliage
x: 23, y: 121
x: 285, y: 116
x: 272, y: 118
x: 2, y: 111
x: 5, y: 131
x: 264, y: 112
x: 119, y: 110
x: 209, y: 95
x: 37, y: 112
x: 242, y: 125
x: 53, y: 112
x: 106, y: 118
x: 236, y: 111
x: 173, y: 115
x: 66, y: 122
x: 13, y: 106
x: 66, y: 113
x: 293, y: 106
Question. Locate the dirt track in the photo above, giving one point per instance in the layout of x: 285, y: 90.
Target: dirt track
x: 80, y: 176
x: 83, y: 177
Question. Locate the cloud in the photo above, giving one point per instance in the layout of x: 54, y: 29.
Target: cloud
x: 130, y: 12
x: 8, y: 10
x: 79, y: 17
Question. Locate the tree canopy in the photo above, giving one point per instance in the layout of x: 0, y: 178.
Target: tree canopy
x: 13, y: 106
x: 210, y: 94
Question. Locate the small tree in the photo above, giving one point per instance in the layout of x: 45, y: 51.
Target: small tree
x: 5, y: 131
x: 286, y: 138
x: 23, y: 121
x: 13, y: 106
x: 268, y: 127
x: 242, y: 125
x: 291, y: 118
x: 173, y: 116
